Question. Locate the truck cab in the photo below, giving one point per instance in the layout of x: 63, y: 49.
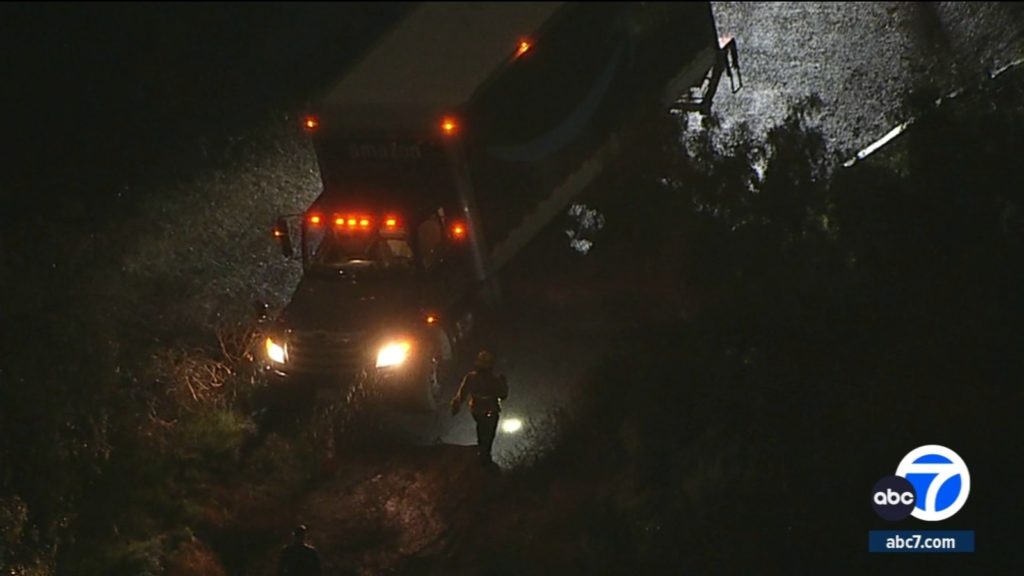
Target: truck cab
x: 385, y: 297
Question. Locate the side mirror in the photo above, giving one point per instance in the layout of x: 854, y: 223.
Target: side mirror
x: 283, y: 238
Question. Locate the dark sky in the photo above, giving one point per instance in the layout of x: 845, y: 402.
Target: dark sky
x: 93, y: 92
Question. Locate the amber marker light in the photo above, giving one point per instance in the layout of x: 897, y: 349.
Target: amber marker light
x: 458, y: 231
x: 449, y: 126
x: 523, y: 47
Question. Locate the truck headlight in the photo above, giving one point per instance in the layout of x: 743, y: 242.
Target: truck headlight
x: 393, y: 354
x: 275, y: 351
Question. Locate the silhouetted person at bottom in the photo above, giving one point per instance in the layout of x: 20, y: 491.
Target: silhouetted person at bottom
x: 485, y: 391
x: 299, y: 558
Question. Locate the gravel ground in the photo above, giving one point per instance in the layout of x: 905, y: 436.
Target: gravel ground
x: 860, y: 58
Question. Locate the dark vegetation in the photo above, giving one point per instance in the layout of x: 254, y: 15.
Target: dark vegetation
x: 789, y: 333
x: 128, y: 379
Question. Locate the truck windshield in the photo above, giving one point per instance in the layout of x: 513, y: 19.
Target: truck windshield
x: 336, y: 250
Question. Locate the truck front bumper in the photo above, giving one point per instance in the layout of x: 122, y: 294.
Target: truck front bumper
x: 385, y: 383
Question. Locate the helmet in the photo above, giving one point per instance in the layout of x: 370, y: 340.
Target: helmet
x: 485, y: 360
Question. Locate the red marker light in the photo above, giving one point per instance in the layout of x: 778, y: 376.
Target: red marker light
x: 523, y: 47
x: 364, y: 223
x: 311, y: 123
x: 391, y: 222
x: 449, y: 126
x: 339, y: 221
x: 314, y: 220
x: 431, y: 319
x: 278, y: 233
x: 351, y: 221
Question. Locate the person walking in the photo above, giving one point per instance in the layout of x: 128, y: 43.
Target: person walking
x: 299, y: 558
x: 484, y: 391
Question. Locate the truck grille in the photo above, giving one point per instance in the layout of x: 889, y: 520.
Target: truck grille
x: 327, y: 353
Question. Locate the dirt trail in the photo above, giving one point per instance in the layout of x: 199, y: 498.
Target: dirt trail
x: 399, y: 511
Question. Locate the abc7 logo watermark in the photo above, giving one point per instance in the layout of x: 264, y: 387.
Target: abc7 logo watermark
x: 931, y: 483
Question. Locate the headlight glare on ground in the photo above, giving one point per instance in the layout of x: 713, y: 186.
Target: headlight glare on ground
x: 275, y: 352
x: 393, y: 354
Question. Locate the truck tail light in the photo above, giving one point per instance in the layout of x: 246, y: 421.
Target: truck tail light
x: 315, y: 219
x: 431, y: 319
x: 310, y: 123
x: 391, y: 222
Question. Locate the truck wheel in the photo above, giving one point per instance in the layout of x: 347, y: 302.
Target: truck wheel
x: 427, y: 394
